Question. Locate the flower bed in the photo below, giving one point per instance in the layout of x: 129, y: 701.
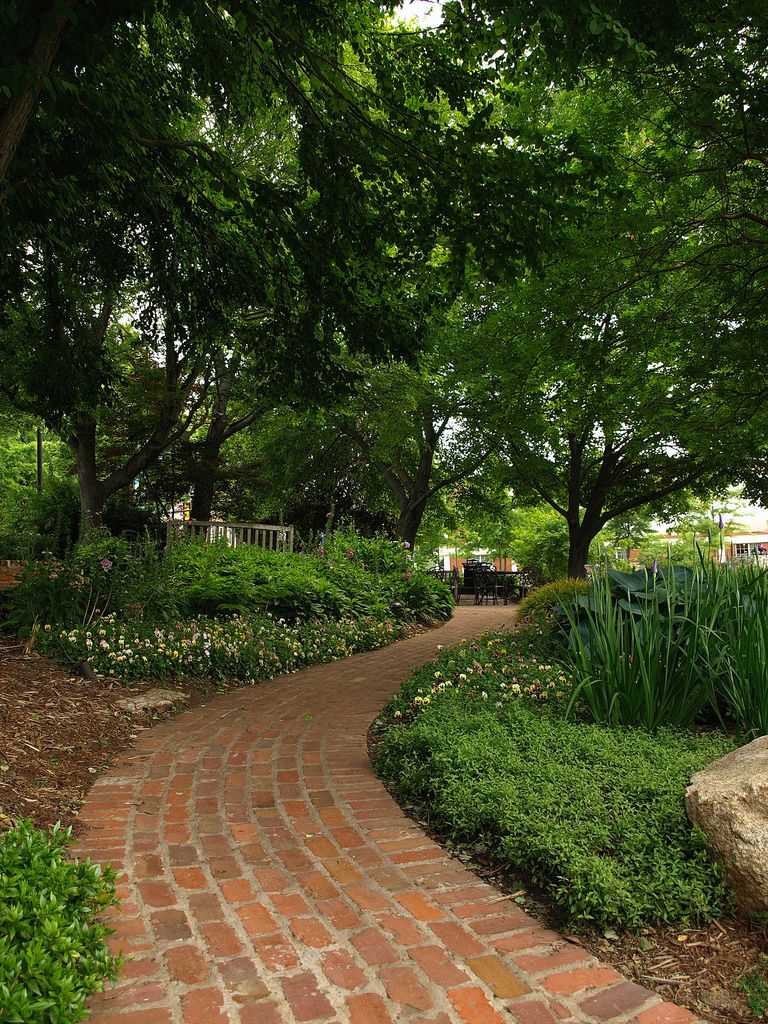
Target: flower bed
x: 479, y: 742
x: 493, y: 669
x: 244, y: 648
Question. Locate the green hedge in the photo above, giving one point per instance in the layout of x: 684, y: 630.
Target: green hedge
x: 541, y: 603
x: 595, y: 815
x: 52, y: 949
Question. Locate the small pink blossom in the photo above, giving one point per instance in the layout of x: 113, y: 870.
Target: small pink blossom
x: 106, y: 564
x: 321, y: 551
x: 350, y: 553
x: 407, y: 575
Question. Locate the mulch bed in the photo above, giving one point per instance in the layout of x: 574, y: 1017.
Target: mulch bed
x: 59, y: 731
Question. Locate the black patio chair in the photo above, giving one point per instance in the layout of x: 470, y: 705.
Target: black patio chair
x: 488, y: 587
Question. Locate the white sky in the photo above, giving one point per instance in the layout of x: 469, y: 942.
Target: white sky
x: 426, y: 12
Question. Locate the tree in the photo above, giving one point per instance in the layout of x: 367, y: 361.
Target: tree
x: 409, y: 424
x: 607, y: 420
x: 74, y: 354
x: 144, y: 232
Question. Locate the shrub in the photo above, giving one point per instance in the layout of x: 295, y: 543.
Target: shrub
x: 423, y: 597
x: 106, y: 576
x: 109, y: 577
x: 214, y: 579
x: 52, y: 950
x: 344, y: 581
x: 595, y: 815
x: 375, y: 554
x: 636, y: 648
x: 31, y: 523
x: 542, y: 603
x: 738, y: 685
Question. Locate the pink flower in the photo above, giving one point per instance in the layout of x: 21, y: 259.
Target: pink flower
x: 321, y: 551
x: 407, y: 575
x: 350, y: 553
x: 106, y: 564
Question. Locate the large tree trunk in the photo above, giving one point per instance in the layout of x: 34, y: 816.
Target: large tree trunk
x: 410, y: 520
x: 92, y: 497
x: 578, y: 556
x: 205, y: 466
x: 205, y: 475
x: 17, y: 115
x: 580, y: 536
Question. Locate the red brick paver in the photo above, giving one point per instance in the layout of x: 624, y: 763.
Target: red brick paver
x: 268, y: 878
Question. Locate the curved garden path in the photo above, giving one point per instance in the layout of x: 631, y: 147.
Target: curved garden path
x: 270, y: 879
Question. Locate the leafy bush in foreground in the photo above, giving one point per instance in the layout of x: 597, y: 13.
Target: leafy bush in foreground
x: 52, y: 951
x: 595, y: 815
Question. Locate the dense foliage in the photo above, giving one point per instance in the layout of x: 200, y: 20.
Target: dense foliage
x: 431, y: 170
x: 595, y: 815
x: 545, y: 602
x: 228, y: 613
x: 52, y: 949
x: 109, y: 576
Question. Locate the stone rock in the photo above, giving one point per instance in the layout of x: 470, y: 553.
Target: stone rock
x: 152, y: 700
x: 728, y: 800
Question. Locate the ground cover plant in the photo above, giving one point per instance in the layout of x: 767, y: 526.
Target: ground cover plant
x: 481, y: 742
x: 242, y: 648
x: 52, y: 949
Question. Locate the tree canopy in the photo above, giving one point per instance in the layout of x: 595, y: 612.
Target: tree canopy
x: 534, y: 233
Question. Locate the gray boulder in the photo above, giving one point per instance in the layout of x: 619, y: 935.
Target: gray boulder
x: 152, y: 700
x: 728, y: 800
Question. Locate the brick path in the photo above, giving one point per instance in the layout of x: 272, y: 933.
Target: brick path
x: 270, y: 879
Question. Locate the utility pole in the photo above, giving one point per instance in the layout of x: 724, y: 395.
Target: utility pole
x: 39, y: 460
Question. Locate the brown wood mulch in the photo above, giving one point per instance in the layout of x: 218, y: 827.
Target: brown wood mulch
x: 59, y: 731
